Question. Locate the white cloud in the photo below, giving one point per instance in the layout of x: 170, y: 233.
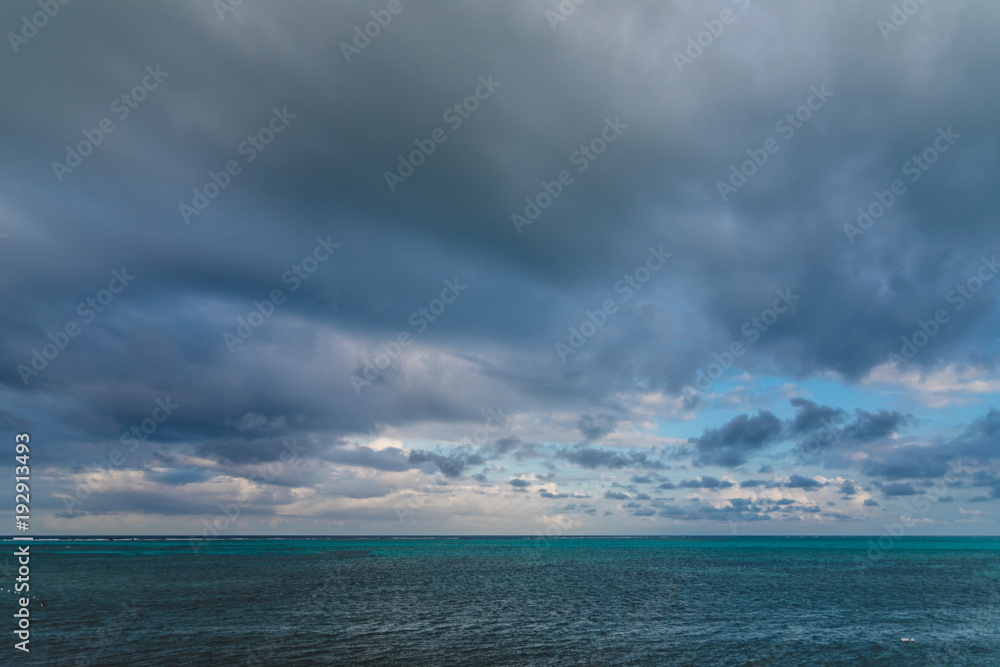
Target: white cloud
x: 937, y: 388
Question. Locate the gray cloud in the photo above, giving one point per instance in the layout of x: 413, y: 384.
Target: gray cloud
x: 241, y: 451
x: 706, y: 482
x: 897, y: 489
x: 811, y: 416
x: 595, y: 428
x: 732, y: 444
x: 976, y: 443
x: 592, y: 457
x: 868, y: 426
x: 800, y: 482
x: 450, y: 466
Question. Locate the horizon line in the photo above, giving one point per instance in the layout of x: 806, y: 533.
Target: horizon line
x: 453, y: 536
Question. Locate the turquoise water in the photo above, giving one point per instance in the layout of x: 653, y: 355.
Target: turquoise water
x: 514, y: 601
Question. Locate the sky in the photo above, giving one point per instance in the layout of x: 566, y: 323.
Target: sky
x: 527, y: 267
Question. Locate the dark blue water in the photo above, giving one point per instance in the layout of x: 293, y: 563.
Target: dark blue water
x: 513, y: 601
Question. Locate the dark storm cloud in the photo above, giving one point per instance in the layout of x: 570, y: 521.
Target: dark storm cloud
x: 451, y: 466
x: 811, y: 416
x: 504, y: 445
x: 732, y: 444
x: 706, y: 482
x: 821, y: 425
x: 912, y: 462
x: 651, y: 478
x: 976, y: 444
x: 9, y: 423
x: 981, y: 439
x: 593, y: 457
x: 240, y: 451
x: 338, y: 152
x: 868, y: 426
x: 896, y: 489
x: 595, y: 428
x: 991, y: 480
x: 672, y: 511
x: 391, y: 459
x: 800, y: 482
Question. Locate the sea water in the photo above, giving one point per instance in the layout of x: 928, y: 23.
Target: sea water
x: 511, y: 601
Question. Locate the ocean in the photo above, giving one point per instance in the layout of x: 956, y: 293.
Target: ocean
x: 511, y: 601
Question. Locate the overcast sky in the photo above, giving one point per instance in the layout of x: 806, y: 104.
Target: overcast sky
x: 509, y: 267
